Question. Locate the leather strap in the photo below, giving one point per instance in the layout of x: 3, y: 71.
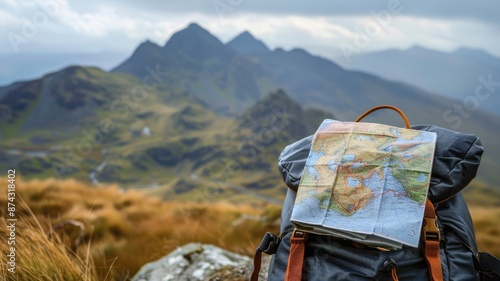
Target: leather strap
x: 296, y: 257
x: 268, y: 245
x: 407, y: 123
x: 390, y: 266
x: 257, y: 262
x: 394, y: 274
x: 432, y: 237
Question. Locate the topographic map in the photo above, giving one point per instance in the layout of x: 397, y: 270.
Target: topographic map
x: 366, y: 182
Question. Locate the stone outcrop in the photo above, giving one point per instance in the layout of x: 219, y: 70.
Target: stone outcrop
x: 200, y: 262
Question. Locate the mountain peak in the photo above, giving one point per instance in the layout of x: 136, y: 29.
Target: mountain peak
x: 247, y: 44
x: 278, y: 110
x: 75, y: 71
x: 279, y: 96
x: 147, y: 53
x: 195, y: 26
x: 246, y: 33
x: 192, y: 33
x: 300, y: 51
x: 198, y: 43
x: 148, y: 45
x: 263, y: 110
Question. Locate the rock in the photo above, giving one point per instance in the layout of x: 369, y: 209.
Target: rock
x: 242, y: 273
x: 199, y: 262
x: 147, y: 131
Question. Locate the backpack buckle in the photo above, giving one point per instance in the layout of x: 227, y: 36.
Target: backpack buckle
x: 298, y: 233
x: 269, y: 244
x: 430, y: 229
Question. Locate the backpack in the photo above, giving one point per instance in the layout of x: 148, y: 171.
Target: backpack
x: 447, y: 250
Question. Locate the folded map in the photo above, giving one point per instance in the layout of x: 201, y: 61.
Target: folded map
x: 366, y: 182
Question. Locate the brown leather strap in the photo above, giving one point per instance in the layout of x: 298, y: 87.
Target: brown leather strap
x: 296, y: 257
x: 394, y: 274
x: 257, y: 261
x: 269, y: 245
x: 407, y: 123
x: 431, y: 236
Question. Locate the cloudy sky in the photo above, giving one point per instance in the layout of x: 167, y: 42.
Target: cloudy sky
x: 327, y: 28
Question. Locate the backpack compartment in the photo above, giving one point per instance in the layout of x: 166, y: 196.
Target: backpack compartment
x: 329, y: 258
x: 457, y: 159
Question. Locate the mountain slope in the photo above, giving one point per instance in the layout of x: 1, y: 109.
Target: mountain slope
x: 66, y: 123
x: 227, y: 157
x: 230, y: 81
x: 456, y: 74
x: 177, y: 148
x: 146, y: 54
x: 279, y: 113
x: 61, y: 101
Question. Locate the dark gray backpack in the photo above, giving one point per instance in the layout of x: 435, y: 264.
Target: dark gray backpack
x: 456, y: 161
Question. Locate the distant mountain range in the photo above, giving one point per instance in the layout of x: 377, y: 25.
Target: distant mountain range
x: 456, y: 74
x: 197, y: 115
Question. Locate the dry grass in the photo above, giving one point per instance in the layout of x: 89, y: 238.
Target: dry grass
x: 487, y: 227
x: 39, y: 257
x: 124, y: 229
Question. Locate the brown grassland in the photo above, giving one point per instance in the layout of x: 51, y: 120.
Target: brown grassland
x: 125, y: 230
x: 487, y: 227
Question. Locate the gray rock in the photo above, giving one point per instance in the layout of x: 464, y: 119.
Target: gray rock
x: 242, y: 273
x: 199, y: 262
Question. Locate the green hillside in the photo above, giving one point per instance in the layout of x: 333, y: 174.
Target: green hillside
x: 172, y: 145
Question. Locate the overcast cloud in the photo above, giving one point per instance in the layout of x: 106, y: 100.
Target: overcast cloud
x: 322, y: 27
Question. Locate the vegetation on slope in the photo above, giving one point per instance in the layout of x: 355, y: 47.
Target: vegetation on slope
x: 124, y: 230
x: 40, y: 258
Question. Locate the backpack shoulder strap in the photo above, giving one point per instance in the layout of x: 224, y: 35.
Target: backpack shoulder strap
x: 488, y: 266
x: 296, y: 257
x: 432, y: 238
